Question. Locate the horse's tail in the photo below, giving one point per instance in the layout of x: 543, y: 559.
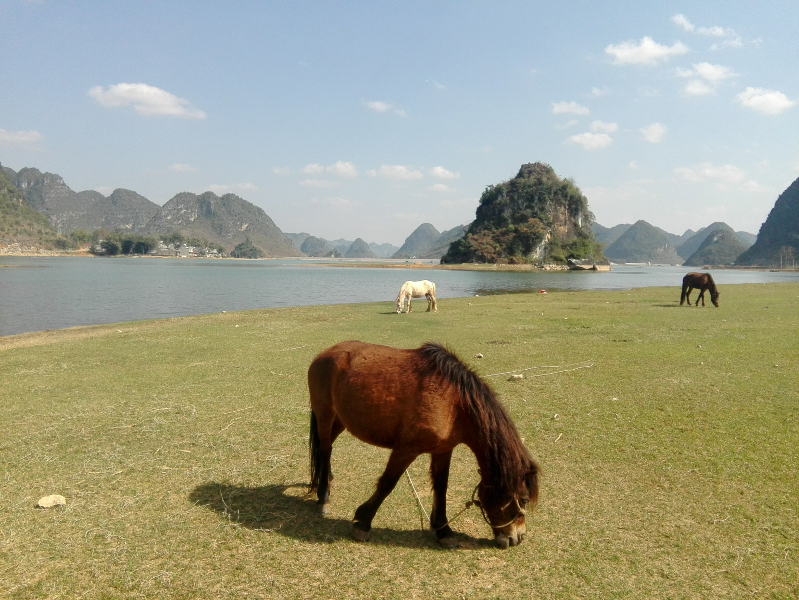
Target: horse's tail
x: 314, y: 455
x: 684, y: 289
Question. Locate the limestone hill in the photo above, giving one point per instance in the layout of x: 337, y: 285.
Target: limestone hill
x: 20, y: 224
x: 534, y: 217
x: 778, y: 239
x: 720, y: 247
x: 643, y: 242
x: 359, y: 249
x: 692, y: 244
x: 227, y: 220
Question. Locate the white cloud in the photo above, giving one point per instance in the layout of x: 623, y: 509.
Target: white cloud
x: 683, y: 22
x: 281, y: 170
x: 569, y: 108
x: 653, y: 133
x: 335, y: 203
x: 313, y: 169
x: 319, y: 183
x: 715, y: 31
x: 591, y: 141
x: 646, y: 52
x: 343, y: 169
x: 19, y: 138
x: 633, y: 164
x: 698, y: 88
x: 379, y: 107
x: 441, y: 188
x: 104, y: 190
x: 148, y: 101
x: 702, y: 73
x: 181, y: 168
x: 442, y: 173
x: 770, y: 102
x: 599, y: 92
x: 229, y: 189
x: 339, y: 169
x: 384, y: 107
x: 436, y: 85
x: 712, y: 73
x: 727, y: 174
x: 398, y: 172
x: 601, y: 127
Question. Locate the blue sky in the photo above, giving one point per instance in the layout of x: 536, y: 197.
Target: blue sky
x: 366, y: 119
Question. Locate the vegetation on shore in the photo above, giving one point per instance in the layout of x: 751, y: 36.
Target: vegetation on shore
x: 666, y: 436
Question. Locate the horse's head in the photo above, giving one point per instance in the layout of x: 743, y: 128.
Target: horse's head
x: 714, y: 298
x: 506, y: 515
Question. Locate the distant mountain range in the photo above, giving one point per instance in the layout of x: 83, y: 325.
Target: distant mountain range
x: 322, y: 247
x: 643, y: 242
x: 29, y: 195
x: 227, y: 220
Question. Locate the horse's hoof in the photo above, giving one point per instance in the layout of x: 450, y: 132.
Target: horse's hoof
x: 449, y: 542
x: 324, y: 508
x: 360, y: 535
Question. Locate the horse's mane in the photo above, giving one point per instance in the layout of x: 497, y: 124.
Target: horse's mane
x: 508, y: 462
x: 711, y: 285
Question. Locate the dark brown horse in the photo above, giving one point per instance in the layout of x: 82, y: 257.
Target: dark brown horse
x: 702, y: 282
x: 421, y: 401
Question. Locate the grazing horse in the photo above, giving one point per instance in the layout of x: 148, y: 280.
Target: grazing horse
x: 702, y: 282
x: 420, y: 401
x: 417, y: 289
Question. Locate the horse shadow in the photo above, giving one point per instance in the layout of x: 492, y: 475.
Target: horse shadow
x: 269, y: 508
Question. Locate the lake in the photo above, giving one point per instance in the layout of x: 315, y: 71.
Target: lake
x: 40, y: 293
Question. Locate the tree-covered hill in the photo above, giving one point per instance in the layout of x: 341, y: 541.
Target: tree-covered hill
x: 228, y: 220
x: 778, y: 238
x: 422, y: 238
x: 359, y: 249
x: 534, y: 217
x: 643, y: 242
x: 720, y: 247
x: 692, y: 244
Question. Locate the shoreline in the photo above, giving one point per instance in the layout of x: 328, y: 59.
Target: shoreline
x: 378, y: 263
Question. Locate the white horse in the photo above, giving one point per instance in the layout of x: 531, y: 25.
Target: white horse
x: 417, y: 289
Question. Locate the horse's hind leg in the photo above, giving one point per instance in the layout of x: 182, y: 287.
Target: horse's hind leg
x: 701, y: 297
x: 439, y: 473
x: 397, y: 463
x: 429, y: 301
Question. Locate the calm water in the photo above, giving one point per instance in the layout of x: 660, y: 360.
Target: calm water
x: 54, y: 293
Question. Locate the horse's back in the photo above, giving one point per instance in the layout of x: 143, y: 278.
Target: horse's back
x: 380, y: 394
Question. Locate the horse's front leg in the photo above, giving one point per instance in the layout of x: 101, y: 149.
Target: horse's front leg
x: 701, y: 297
x: 397, y: 463
x: 439, y: 473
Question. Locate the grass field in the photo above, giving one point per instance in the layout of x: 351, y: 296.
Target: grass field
x: 669, y: 463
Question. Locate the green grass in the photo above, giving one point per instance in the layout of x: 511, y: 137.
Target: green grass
x: 669, y: 466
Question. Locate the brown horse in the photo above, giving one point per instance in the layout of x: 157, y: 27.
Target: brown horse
x: 702, y: 282
x: 421, y: 401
